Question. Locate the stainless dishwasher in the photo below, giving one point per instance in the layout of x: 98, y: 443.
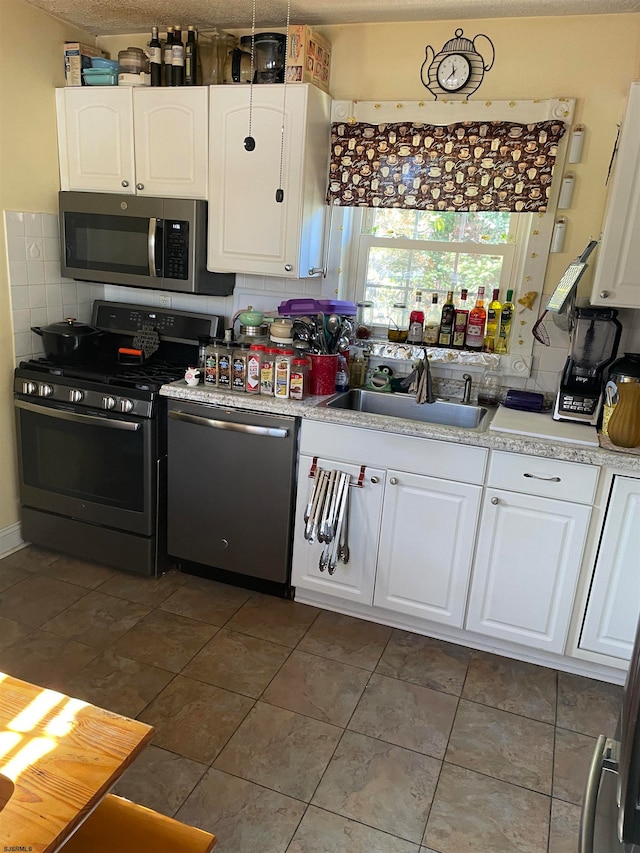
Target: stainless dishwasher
x: 231, y: 476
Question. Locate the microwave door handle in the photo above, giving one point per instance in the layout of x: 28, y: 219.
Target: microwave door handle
x: 151, y: 245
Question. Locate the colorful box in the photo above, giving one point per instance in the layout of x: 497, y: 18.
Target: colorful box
x: 76, y: 57
x: 309, y: 57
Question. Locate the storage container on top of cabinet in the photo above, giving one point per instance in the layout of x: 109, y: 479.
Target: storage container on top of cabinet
x: 145, y: 141
x: 249, y: 230
x: 617, y: 274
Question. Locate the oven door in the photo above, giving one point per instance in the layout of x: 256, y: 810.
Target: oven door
x: 110, y: 239
x: 93, y: 466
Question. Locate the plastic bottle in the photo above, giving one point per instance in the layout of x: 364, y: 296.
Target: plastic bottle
x: 416, y: 321
x: 267, y: 371
x: 239, y: 368
x: 254, y: 363
x: 299, y: 382
x: 342, y: 373
x: 211, y: 363
x: 474, y: 339
x: 282, y: 372
x: 225, y: 357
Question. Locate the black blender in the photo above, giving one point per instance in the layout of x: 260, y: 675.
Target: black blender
x: 594, y: 344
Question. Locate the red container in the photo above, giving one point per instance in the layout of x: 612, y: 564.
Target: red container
x: 323, y: 374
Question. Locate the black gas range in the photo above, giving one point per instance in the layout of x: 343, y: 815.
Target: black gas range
x: 92, y: 438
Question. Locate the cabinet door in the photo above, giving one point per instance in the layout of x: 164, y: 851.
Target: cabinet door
x: 352, y: 580
x: 614, y: 599
x: 95, y: 126
x: 426, y: 546
x: 171, y: 138
x: 617, y: 275
x: 249, y: 231
x: 528, y: 557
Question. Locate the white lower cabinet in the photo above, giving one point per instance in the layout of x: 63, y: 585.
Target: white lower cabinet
x: 614, y: 598
x: 354, y: 580
x: 528, y: 558
x: 426, y: 546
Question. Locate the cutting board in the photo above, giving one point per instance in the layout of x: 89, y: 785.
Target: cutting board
x: 538, y: 425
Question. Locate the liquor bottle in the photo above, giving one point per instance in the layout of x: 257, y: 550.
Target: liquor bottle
x: 506, y: 318
x: 191, y: 57
x: 474, y: 339
x: 155, y: 58
x: 460, y: 320
x: 445, y: 335
x: 167, y: 56
x: 432, y: 323
x: 416, y: 321
x: 177, y: 57
x: 493, y: 322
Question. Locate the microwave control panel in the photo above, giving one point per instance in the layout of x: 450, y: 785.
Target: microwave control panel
x: 176, y: 249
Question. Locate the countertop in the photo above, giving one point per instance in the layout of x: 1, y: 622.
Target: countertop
x: 308, y: 409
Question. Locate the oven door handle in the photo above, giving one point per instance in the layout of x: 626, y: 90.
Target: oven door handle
x: 77, y: 417
x: 151, y: 245
x: 252, y: 429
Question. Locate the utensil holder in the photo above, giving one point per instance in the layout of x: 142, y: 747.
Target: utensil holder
x: 323, y: 374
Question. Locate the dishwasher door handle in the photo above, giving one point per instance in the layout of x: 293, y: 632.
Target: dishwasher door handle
x: 212, y: 423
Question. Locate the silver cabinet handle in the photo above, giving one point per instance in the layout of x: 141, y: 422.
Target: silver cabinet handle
x: 604, y: 294
x: 125, y: 183
x: 546, y: 479
x: 375, y: 480
x: 495, y: 501
x: 393, y: 481
x: 139, y: 186
x: 251, y: 429
x: 151, y: 245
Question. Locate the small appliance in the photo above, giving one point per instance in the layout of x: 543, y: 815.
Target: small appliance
x: 594, y: 344
x: 138, y: 241
x: 269, y: 57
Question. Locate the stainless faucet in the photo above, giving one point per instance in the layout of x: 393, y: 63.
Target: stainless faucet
x: 466, y: 396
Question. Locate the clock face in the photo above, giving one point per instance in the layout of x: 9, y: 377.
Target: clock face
x: 453, y: 72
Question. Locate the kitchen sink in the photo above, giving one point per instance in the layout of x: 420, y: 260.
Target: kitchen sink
x: 462, y: 415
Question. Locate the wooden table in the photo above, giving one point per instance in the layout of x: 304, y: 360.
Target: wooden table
x: 63, y: 755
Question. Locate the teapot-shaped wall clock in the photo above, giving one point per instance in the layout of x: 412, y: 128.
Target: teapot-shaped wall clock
x: 458, y: 68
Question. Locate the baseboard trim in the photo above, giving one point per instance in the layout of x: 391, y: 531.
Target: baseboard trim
x: 11, y: 539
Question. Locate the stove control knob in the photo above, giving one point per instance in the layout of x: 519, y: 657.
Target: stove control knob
x: 108, y: 402
x: 29, y: 388
x: 126, y: 405
x: 45, y: 390
x: 76, y: 396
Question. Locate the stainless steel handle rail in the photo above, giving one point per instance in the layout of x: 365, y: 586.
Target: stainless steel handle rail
x: 271, y: 432
x: 546, y: 479
x: 588, y: 819
x: 151, y: 245
x: 77, y: 417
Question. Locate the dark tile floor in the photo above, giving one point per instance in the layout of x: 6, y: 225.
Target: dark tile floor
x: 280, y: 727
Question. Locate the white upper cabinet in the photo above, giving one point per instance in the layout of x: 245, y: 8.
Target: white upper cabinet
x: 614, y: 599
x: 134, y: 140
x: 617, y: 274
x: 250, y: 231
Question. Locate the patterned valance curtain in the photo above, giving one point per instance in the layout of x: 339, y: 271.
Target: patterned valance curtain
x: 471, y: 165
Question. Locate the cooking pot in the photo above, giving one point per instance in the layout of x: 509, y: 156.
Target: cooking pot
x: 68, y: 341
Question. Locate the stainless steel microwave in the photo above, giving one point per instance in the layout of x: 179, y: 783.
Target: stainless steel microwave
x: 138, y: 241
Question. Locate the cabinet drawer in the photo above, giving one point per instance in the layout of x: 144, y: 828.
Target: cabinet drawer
x: 549, y: 478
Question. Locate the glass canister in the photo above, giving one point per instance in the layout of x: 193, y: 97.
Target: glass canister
x: 364, y: 320
x: 398, y: 329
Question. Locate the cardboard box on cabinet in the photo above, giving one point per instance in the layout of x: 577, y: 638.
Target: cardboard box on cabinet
x: 309, y: 57
x: 76, y: 57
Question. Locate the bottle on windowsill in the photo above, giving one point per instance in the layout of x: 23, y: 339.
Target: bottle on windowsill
x: 445, y: 336
x: 432, y: 323
x: 474, y: 339
x: 416, y: 321
x: 506, y: 318
x: 493, y: 322
x: 460, y: 320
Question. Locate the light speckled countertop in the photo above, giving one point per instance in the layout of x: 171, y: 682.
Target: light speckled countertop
x: 308, y: 409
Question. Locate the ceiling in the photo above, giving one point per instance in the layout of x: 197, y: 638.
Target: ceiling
x: 111, y: 17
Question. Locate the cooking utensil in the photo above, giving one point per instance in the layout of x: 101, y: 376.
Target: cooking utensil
x: 333, y: 559
x: 344, y: 552
x: 69, y: 341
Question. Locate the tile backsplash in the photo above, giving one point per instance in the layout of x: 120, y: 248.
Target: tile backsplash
x: 40, y: 295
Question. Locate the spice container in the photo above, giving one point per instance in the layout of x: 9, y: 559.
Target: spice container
x: 267, y: 371
x: 225, y: 357
x: 239, y: 368
x: 299, y: 382
x: 282, y: 372
x: 211, y: 362
x: 398, y: 323
x: 254, y: 364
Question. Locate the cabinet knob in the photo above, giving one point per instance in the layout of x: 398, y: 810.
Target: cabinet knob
x: 495, y: 501
x: 139, y: 186
x: 288, y: 267
x: 125, y: 183
x: 375, y: 480
x: 224, y: 543
x: 393, y: 481
x: 604, y: 294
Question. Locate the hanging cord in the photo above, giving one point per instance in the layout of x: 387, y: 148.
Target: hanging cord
x: 280, y: 191
x: 249, y: 141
